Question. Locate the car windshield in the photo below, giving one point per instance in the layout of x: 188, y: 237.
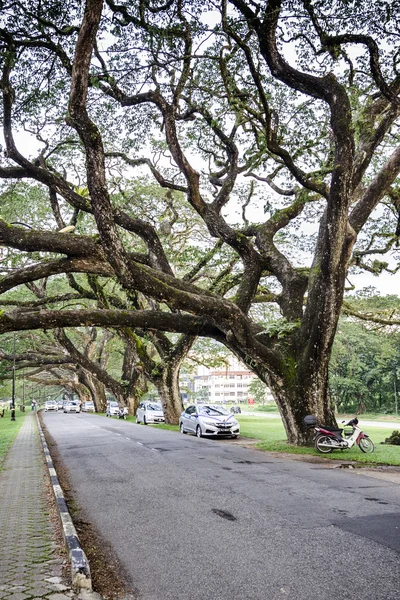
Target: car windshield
x: 154, y: 406
x: 214, y: 411
x: 113, y: 403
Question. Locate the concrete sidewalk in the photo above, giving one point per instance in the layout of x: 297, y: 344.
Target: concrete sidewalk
x: 33, y: 560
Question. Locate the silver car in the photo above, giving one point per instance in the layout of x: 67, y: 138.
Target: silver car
x: 150, y: 412
x: 51, y: 405
x: 72, y: 407
x: 112, y: 409
x: 208, y: 420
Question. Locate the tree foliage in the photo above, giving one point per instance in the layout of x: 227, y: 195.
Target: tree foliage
x: 364, y: 369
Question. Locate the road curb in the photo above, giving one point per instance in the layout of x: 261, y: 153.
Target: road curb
x: 80, y: 569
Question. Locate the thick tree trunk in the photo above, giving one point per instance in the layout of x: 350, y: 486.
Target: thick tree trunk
x: 164, y: 375
x: 137, y: 387
x: 82, y: 391
x: 129, y: 396
x: 167, y: 384
x: 300, y: 388
x: 132, y: 400
x: 297, y: 399
x: 96, y: 389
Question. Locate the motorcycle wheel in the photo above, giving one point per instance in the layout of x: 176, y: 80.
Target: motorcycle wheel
x: 323, y: 439
x: 366, y: 445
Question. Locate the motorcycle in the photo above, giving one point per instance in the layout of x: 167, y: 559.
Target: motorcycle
x: 327, y: 438
x: 122, y: 413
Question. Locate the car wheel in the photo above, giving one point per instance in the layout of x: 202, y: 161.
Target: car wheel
x: 181, y: 428
x: 144, y: 421
x: 234, y: 437
x: 199, y: 433
x: 137, y: 420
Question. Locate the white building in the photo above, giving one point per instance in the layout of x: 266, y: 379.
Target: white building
x: 224, y: 387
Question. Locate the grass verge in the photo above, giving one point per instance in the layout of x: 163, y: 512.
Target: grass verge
x: 8, y: 431
x: 271, y: 436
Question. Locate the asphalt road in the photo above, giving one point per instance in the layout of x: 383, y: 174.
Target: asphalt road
x: 204, y: 519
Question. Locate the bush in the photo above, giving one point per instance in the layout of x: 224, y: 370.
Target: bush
x: 394, y: 439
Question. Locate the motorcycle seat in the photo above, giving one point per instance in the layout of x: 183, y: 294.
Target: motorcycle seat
x: 332, y: 429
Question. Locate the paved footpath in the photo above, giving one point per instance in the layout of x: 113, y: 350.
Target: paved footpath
x: 32, y: 557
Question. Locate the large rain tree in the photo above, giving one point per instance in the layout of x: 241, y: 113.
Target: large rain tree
x: 289, y: 106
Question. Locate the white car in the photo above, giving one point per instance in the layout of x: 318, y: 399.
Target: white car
x: 88, y: 407
x: 112, y: 409
x: 208, y: 420
x: 149, y: 412
x: 72, y: 407
x: 51, y: 405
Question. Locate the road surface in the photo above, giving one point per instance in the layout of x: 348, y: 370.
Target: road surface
x: 204, y: 519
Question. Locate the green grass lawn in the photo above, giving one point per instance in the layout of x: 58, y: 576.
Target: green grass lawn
x: 372, y: 417
x: 271, y: 436
x: 8, y: 431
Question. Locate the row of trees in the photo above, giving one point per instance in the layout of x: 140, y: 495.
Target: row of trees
x: 364, y: 368
x: 270, y: 132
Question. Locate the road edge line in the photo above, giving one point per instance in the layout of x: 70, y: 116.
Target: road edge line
x: 80, y: 568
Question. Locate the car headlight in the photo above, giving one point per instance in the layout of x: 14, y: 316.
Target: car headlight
x: 234, y: 422
x: 212, y: 423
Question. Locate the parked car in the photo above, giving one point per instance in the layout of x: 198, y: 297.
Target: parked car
x: 88, y: 407
x: 112, y: 409
x: 60, y: 404
x: 235, y: 409
x: 72, y: 407
x: 208, y: 420
x: 51, y: 405
x: 149, y: 412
